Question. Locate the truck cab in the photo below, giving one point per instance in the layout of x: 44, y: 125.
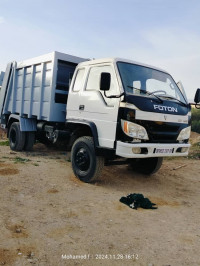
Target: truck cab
x: 138, y: 110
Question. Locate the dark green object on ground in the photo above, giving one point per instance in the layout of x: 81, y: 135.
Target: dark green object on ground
x: 136, y: 200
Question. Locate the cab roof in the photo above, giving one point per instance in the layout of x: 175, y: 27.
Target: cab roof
x: 115, y: 60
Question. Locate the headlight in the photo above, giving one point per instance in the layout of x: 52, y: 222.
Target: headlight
x: 134, y: 130
x: 184, y: 134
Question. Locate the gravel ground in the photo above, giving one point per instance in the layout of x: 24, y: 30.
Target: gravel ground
x: 47, y: 216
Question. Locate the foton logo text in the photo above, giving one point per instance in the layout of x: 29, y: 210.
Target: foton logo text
x: 165, y: 108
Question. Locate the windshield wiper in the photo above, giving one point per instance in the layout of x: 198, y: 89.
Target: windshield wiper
x: 146, y: 92
x: 171, y: 97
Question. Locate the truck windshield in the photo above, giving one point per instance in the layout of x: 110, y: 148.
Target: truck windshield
x: 137, y: 79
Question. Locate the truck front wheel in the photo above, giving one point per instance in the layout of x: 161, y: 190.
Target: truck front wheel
x: 16, y: 137
x: 147, y: 166
x: 85, y: 164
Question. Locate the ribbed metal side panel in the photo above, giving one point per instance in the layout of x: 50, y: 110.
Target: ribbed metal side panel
x: 31, y: 91
x: 29, y: 88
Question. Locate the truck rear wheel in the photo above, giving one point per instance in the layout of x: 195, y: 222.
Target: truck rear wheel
x: 147, y: 166
x: 85, y: 164
x: 29, y: 141
x: 16, y: 137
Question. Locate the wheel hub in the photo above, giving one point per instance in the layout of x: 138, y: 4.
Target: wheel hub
x: 82, y: 159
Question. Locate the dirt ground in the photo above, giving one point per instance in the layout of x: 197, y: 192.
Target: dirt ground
x: 47, y: 216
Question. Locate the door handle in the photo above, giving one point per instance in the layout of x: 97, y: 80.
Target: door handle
x: 81, y: 107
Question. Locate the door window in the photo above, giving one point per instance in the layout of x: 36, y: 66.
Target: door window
x: 79, y: 80
x: 94, y: 80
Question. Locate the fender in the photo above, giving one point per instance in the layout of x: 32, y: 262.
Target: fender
x: 26, y: 124
x: 90, y: 124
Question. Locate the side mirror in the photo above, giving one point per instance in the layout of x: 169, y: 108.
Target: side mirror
x: 197, y: 96
x: 105, y: 81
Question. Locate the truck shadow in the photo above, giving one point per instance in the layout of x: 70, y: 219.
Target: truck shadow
x: 123, y: 177
x: 51, y: 151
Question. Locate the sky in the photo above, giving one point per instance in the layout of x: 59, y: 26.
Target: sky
x: 162, y: 33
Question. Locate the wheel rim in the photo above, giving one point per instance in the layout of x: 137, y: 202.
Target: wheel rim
x: 13, y: 136
x: 82, y: 159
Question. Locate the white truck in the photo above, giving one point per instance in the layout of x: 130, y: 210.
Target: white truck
x: 106, y: 111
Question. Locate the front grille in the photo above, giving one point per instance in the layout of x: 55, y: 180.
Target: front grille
x: 162, y: 133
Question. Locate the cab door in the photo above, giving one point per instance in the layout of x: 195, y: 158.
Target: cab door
x: 95, y: 106
x: 73, y: 102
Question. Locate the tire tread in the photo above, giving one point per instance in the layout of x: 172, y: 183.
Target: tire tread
x: 20, y: 135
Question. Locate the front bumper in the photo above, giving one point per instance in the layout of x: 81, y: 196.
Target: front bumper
x: 125, y: 149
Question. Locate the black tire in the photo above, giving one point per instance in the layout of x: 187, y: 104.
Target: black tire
x: 147, y: 166
x: 29, y: 141
x: 16, y: 137
x: 85, y: 164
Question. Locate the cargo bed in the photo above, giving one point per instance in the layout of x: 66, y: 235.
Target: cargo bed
x: 38, y: 88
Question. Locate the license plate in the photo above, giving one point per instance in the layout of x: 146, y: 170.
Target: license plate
x: 163, y: 150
